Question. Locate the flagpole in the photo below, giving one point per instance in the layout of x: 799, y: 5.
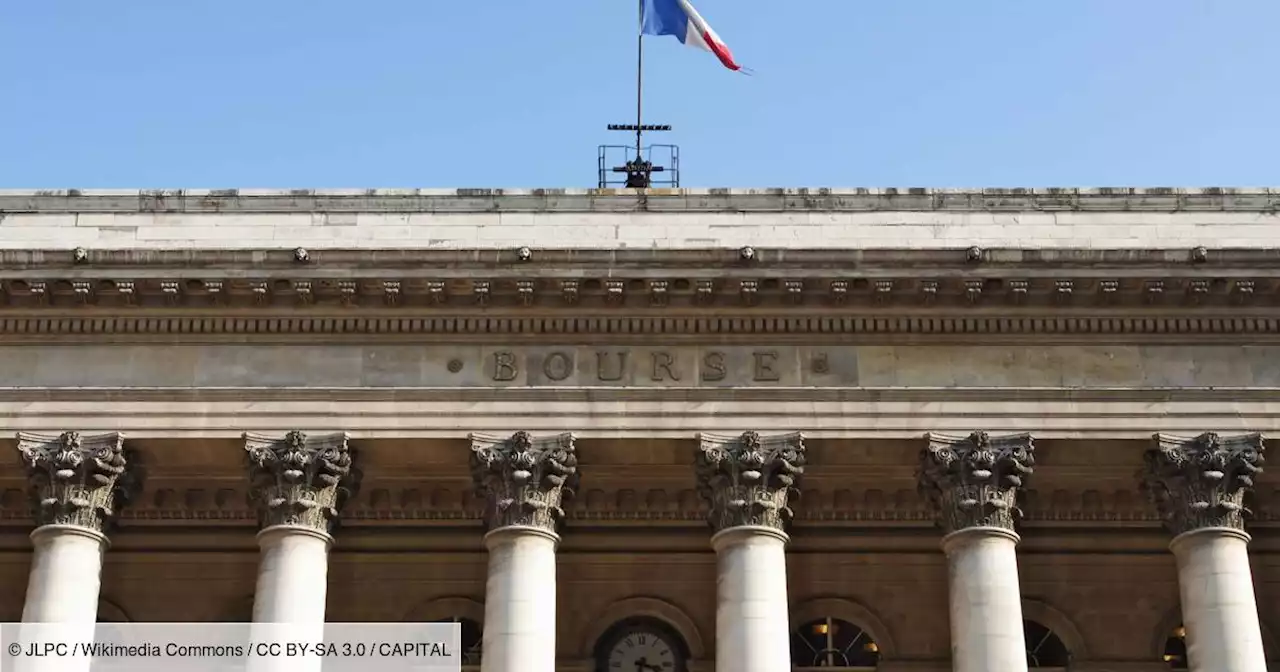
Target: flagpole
x: 639, y: 79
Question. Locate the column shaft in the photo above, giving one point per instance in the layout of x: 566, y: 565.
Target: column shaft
x: 66, y: 575
x: 1219, y: 610
x: 293, y: 576
x: 752, y: 625
x: 520, y: 601
x: 985, y: 601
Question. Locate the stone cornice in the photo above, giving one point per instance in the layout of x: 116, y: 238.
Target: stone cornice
x: 628, y: 200
x: 1251, y: 327
x: 786, y: 294
x: 642, y: 284
x: 463, y: 261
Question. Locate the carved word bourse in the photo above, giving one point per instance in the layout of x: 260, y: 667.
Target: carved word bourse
x: 641, y: 366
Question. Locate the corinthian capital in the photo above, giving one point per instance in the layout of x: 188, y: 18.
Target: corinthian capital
x: 77, y: 480
x: 749, y: 479
x: 300, y: 480
x: 524, y: 479
x: 973, y: 481
x: 1201, y: 481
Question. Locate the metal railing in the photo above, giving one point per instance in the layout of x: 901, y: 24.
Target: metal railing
x: 658, y: 165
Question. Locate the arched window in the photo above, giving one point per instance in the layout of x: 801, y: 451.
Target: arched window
x: 640, y: 643
x: 1175, y: 649
x: 1044, y: 648
x: 472, y: 640
x: 830, y: 643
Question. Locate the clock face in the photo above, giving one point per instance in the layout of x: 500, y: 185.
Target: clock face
x: 642, y: 650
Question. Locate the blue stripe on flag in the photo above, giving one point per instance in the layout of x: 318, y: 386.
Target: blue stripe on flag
x: 665, y: 17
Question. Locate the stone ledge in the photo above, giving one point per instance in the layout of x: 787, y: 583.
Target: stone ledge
x: 613, y: 417
x: 614, y: 200
x: 669, y: 395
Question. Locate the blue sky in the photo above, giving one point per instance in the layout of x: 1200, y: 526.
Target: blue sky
x: 516, y: 93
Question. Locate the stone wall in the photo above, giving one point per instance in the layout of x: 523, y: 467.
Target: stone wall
x: 682, y: 219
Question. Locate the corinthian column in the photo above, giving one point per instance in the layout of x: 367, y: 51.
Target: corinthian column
x: 1198, y: 485
x: 524, y: 481
x: 77, y: 485
x: 972, y: 483
x: 298, y: 484
x: 747, y: 481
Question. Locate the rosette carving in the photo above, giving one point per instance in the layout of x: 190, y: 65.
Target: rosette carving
x: 78, y: 480
x: 1201, y: 481
x: 975, y: 480
x: 300, y: 480
x: 524, y: 479
x: 750, y: 479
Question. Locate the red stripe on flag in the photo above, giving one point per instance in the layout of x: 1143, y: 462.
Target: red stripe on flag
x: 722, y: 52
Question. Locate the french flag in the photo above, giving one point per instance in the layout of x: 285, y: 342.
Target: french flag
x: 679, y: 18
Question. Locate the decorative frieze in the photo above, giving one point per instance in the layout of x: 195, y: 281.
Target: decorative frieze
x: 524, y: 480
x: 749, y: 479
x: 482, y: 291
x: 300, y: 480
x: 658, y: 295
x: 974, y: 481
x: 569, y: 292
x: 78, y: 480
x: 1018, y: 291
x: 786, y: 289
x: 1201, y: 481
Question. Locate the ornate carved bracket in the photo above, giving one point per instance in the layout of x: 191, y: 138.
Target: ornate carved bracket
x: 300, y: 480
x: 524, y: 480
x: 974, y: 481
x: 749, y: 479
x: 1201, y: 481
x: 78, y: 480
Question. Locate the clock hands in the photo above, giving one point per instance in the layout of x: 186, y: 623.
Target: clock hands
x: 643, y: 665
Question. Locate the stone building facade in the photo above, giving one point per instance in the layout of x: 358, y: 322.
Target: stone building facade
x: 743, y: 431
